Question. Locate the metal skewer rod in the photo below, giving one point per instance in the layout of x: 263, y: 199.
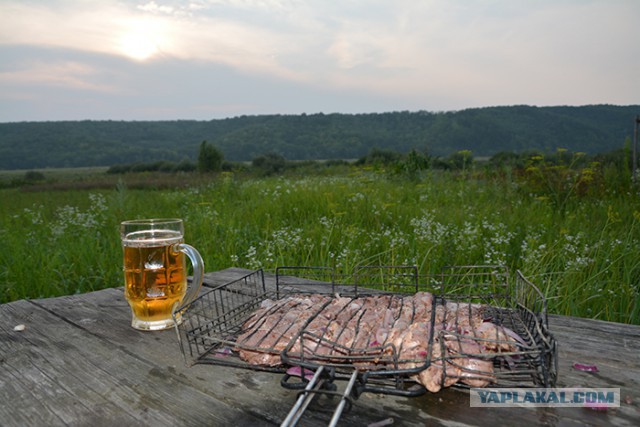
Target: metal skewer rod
x: 343, y: 401
x: 303, y: 400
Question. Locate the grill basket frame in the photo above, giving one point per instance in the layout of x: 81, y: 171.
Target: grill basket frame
x: 212, y: 322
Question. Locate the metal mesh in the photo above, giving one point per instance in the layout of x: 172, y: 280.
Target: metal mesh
x: 216, y: 327
x: 512, y: 338
x: 210, y: 323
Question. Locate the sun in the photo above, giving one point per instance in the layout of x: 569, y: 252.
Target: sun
x: 141, y: 41
x: 138, y: 46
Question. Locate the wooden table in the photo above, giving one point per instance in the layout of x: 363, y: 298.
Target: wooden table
x: 78, y: 362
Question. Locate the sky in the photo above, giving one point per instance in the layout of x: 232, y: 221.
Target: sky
x: 212, y: 59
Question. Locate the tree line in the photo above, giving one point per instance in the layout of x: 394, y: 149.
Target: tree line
x: 558, y: 177
x: 212, y: 160
x: 482, y: 131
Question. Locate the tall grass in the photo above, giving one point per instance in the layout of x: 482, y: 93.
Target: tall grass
x: 585, y: 258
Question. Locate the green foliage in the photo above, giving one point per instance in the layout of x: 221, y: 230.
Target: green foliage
x: 29, y: 178
x: 159, y: 166
x: 34, y: 176
x: 512, y: 160
x: 413, y: 164
x: 379, y: 158
x: 617, y: 167
x: 210, y: 158
x: 461, y: 160
x: 484, y: 131
x: 562, y: 179
x: 270, y: 164
x: 185, y: 165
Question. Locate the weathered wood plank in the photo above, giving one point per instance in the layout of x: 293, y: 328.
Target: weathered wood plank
x: 613, y: 347
x: 78, y: 362
x: 107, y: 317
x: 77, y: 377
x: 103, y: 320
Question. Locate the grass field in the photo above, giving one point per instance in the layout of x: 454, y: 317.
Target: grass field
x: 583, y: 252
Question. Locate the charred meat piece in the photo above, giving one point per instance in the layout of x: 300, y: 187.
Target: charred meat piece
x: 380, y: 332
x: 497, y: 338
x: 270, y: 329
x: 439, y: 374
x: 467, y: 356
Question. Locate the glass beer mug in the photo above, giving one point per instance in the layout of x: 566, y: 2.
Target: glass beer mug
x: 155, y: 273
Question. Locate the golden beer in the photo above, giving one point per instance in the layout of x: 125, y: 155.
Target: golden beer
x: 155, y: 275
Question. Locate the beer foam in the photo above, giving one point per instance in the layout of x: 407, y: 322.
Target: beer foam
x: 147, y: 238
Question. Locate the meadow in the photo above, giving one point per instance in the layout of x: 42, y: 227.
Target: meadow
x: 581, y: 248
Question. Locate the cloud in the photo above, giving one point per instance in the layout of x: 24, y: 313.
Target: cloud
x: 494, y: 51
x: 68, y: 74
x: 155, y: 8
x: 415, y: 53
x: 148, y: 31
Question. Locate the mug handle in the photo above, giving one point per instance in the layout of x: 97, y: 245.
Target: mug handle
x: 198, y: 273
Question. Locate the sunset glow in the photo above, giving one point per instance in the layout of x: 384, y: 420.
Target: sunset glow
x: 200, y: 59
x: 141, y: 41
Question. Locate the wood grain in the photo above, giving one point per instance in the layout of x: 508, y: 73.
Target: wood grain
x: 78, y: 362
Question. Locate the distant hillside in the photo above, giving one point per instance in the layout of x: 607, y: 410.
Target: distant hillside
x: 484, y: 131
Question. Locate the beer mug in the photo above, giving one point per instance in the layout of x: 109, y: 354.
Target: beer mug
x: 155, y: 274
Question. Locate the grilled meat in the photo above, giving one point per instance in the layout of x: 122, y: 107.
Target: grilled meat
x: 380, y: 332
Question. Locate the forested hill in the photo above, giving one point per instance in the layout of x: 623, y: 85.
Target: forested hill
x: 483, y: 131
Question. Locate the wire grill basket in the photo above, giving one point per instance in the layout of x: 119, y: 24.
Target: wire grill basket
x: 484, y: 328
